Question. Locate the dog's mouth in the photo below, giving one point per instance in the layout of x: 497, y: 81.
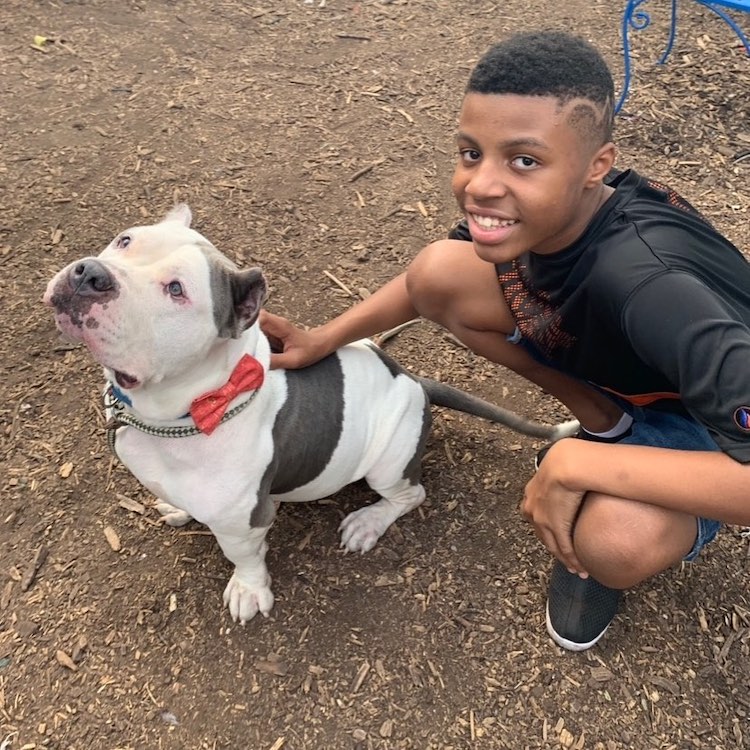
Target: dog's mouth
x: 124, y: 380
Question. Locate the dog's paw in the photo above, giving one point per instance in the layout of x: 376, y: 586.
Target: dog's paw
x: 361, y: 529
x: 172, y: 515
x: 245, y: 601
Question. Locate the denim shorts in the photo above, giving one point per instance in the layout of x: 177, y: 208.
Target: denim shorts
x: 665, y: 430
x: 660, y: 430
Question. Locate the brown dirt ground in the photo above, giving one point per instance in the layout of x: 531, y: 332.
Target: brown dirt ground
x: 261, y: 115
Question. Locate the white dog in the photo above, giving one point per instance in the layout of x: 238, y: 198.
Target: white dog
x: 203, y: 423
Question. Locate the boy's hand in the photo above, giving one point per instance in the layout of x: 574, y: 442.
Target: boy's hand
x: 293, y: 347
x: 552, y: 508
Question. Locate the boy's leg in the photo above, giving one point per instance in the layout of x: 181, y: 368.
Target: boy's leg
x: 450, y: 285
x: 623, y: 542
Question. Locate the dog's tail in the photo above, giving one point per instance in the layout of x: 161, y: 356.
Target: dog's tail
x: 441, y: 394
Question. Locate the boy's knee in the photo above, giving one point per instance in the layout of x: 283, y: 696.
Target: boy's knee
x: 430, y: 280
x: 623, y: 542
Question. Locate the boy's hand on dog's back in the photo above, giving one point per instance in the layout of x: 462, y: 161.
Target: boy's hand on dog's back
x: 291, y: 347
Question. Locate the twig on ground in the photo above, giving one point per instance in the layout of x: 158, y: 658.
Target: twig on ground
x: 339, y: 283
x: 366, y: 169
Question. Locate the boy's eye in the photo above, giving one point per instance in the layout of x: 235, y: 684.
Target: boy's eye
x: 469, y: 155
x: 525, y: 162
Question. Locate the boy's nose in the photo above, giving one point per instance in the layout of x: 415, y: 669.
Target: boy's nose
x: 486, y: 182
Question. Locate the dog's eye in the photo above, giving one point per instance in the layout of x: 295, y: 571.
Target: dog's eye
x: 175, y: 289
x: 123, y: 241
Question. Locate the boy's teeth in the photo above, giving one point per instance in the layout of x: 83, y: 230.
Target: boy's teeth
x: 490, y: 222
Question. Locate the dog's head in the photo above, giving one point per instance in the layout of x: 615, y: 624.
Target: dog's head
x: 156, y: 301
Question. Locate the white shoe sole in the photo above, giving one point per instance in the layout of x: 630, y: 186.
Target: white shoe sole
x: 564, y: 642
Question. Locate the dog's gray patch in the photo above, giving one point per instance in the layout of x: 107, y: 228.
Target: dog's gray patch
x: 413, y: 470
x: 236, y: 295
x: 220, y: 273
x: 308, y: 426
x: 393, y: 367
x: 265, y: 510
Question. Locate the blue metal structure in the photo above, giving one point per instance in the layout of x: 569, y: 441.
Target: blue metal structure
x: 638, y: 19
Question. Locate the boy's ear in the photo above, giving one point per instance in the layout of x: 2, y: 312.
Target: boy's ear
x: 601, y: 163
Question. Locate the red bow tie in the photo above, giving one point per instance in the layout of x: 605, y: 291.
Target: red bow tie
x: 208, y: 409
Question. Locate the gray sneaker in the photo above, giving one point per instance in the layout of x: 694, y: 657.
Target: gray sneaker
x: 579, y: 610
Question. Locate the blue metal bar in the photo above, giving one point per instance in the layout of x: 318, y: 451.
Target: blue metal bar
x: 737, y: 5
x: 640, y: 19
x: 672, y: 34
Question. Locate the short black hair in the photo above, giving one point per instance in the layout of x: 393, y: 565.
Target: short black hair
x: 551, y: 63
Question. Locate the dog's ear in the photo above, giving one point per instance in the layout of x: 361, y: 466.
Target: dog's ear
x: 182, y: 213
x: 248, y: 293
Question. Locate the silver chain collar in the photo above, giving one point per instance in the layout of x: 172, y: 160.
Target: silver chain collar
x: 121, y: 417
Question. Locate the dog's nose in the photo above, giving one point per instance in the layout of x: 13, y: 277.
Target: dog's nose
x: 91, y: 278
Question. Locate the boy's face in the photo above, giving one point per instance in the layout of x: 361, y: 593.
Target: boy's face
x: 526, y: 179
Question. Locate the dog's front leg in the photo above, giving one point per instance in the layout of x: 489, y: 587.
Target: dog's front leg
x: 249, y: 589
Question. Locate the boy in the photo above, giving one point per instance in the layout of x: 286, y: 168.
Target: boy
x: 608, y: 291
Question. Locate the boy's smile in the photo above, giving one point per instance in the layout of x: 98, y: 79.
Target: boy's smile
x: 526, y: 178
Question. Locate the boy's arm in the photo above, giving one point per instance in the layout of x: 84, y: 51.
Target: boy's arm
x: 385, y: 309
x: 683, y: 329
x: 699, y: 483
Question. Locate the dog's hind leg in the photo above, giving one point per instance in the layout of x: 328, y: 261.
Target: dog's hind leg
x: 361, y: 529
x: 396, y: 481
x: 172, y: 515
